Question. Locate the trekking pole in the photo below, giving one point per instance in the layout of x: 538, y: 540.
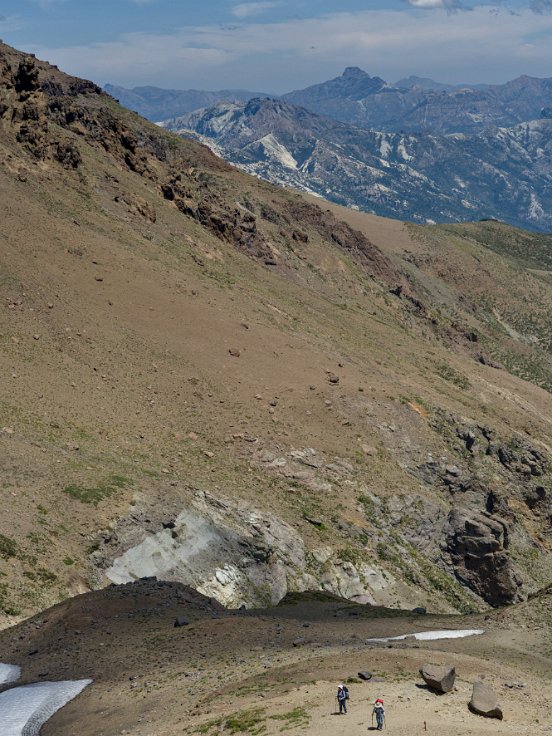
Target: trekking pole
x: 372, y: 719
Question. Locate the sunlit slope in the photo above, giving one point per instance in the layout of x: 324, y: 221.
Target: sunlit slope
x: 171, y: 327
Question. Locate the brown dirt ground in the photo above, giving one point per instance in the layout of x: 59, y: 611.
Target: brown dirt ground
x: 151, y: 679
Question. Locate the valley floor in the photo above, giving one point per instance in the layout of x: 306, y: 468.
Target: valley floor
x: 277, y: 670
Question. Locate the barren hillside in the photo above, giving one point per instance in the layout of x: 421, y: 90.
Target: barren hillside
x: 217, y: 382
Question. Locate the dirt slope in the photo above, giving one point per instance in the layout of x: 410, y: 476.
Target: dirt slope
x: 171, y: 327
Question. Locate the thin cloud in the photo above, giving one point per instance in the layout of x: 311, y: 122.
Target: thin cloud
x: 246, y: 10
x: 384, y: 42
x: 450, y: 5
x: 46, y: 4
x: 541, y: 6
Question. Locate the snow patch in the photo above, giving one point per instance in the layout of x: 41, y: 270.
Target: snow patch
x: 26, y: 709
x: 431, y: 635
x: 9, y: 673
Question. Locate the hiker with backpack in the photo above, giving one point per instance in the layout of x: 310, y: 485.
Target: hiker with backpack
x: 379, y: 711
x: 342, y: 698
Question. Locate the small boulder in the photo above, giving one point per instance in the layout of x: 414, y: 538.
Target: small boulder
x: 484, y: 701
x: 365, y: 675
x: 180, y: 621
x: 438, y: 678
x: 419, y: 611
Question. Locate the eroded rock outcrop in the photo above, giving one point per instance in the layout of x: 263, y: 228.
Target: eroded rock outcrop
x: 235, y: 553
x: 478, y: 547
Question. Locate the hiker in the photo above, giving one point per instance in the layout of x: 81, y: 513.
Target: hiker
x: 379, y: 711
x: 342, y: 698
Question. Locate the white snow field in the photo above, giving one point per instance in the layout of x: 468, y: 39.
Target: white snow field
x: 431, y: 635
x: 24, y: 710
x: 9, y: 673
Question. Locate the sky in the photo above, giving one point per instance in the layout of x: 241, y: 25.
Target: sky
x: 274, y: 46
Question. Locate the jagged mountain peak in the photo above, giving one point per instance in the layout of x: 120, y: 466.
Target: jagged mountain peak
x: 354, y: 83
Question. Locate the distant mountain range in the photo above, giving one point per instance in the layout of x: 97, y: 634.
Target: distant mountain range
x: 503, y: 173
x: 422, y: 105
x: 417, y: 149
x: 154, y: 103
x: 413, y: 104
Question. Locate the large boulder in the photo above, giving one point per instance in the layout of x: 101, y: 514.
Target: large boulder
x: 438, y: 678
x: 484, y: 701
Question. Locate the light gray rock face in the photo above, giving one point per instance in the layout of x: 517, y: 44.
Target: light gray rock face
x: 237, y: 554
x: 484, y: 701
x: 438, y: 678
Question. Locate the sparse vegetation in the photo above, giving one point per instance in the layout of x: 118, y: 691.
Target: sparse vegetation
x: 8, y: 547
x: 252, y: 722
x: 96, y: 494
x: 451, y: 375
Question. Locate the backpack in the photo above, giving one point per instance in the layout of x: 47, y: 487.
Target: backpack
x: 346, y: 692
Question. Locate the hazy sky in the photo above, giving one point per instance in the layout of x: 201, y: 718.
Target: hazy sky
x: 279, y: 45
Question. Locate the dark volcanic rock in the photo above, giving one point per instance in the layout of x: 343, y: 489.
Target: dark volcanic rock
x: 478, y: 547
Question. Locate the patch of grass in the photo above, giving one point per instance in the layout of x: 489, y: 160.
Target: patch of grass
x: 251, y: 722
x: 5, y: 606
x: 296, y: 718
x: 99, y: 493
x: 352, y: 555
x: 8, y: 547
x: 68, y: 561
x: 452, y: 376
x: 372, y: 510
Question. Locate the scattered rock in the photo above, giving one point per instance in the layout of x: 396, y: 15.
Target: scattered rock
x: 453, y: 470
x: 419, y: 611
x: 234, y: 352
x: 368, y: 450
x: 484, y: 701
x: 365, y: 675
x: 332, y: 378
x: 318, y: 523
x: 438, y: 678
x: 181, y: 621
